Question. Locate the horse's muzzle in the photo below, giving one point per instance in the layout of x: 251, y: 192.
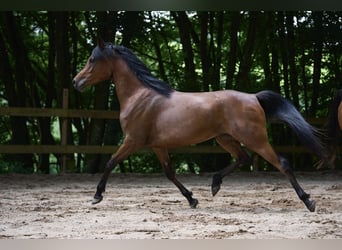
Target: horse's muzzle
x: 78, y: 85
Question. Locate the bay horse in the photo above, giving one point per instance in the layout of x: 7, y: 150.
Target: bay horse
x: 154, y: 115
x: 333, y: 129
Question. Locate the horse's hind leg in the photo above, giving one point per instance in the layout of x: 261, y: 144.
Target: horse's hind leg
x: 267, y: 152
x: 310, y: 204
x: 232, y: 146
x: 164, y: 159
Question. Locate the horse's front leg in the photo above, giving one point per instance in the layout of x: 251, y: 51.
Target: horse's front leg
x: 164, y: 159
x: 123, y: 152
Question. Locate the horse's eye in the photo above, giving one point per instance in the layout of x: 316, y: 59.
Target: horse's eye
x: 91, y: 59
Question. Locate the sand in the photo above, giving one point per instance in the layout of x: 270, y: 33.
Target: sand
x: 140, y: 206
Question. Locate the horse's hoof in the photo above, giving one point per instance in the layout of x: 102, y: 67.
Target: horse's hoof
x: 216, y: 184
x: 97, y: 199
x: 215, y: 189
x: 193, y: 203
x: 311, y: 206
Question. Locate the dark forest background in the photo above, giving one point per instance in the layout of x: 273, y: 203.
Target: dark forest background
x: 295, y: 53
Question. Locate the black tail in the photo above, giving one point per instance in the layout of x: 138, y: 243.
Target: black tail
x: 279, y: 109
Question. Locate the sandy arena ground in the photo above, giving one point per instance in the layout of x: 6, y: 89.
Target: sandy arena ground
x: 248, y: 206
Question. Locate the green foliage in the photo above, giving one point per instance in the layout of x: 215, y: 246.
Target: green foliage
x: 8, y: 167
x: 144, y: 163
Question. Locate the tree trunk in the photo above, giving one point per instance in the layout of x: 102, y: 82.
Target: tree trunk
x: 318, y: 49
x: 233, y: 48
x: 63, y: 73
x: 190, y: 78
x: 81, y: 124
x: 266, y: 66
x: 304, y: 80
x: 45, y: 122
x: 17, y: 94
x: 292, y: 59
x: 203, y: 46
x: 132, y: 26
x: 275, y: 54
x: 269, y: 54
x: 247, y: 59
x: 218, y: 52
x: 156, y: 42
x: 283, y: 51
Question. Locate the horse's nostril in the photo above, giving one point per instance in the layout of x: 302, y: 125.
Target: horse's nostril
x: 74, y: 83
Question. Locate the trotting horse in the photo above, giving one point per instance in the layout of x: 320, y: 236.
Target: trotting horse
x: 152, y: 114
x: 333, y: 128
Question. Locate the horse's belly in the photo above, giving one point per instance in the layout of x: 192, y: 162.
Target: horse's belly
x: 182, y: 135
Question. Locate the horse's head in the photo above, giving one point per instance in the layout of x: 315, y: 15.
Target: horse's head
x: 97, y: 68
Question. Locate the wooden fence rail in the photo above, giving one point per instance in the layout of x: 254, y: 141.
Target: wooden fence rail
x: 64, y: 113
x: 95, y: 149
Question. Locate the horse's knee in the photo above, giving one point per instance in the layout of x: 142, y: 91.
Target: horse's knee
x: 170, y: 174
x: 285, y: 165
x: 111, y: 164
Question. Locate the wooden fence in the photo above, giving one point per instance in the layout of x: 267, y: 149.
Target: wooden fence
x: 65, y: 113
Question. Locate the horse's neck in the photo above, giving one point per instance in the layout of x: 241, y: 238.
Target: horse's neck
x: 129, y: 90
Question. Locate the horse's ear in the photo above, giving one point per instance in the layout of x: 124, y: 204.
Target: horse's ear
x: 100, y: 43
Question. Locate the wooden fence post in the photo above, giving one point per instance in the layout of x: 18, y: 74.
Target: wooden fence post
x: 256, y: 163
x: 64, y: 139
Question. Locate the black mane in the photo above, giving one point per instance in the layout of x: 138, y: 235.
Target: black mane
x: 142, y: 72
